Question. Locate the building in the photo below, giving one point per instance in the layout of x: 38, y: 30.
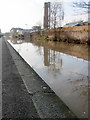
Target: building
x: 20, y: 31
x: 36, y: 28
x: 14, y: 31
x: 47, y: 15
x: 73, y: 23
x: 24, y: 31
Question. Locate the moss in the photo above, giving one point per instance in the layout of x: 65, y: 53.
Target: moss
x: 40, y: 38
x: 43, y: 38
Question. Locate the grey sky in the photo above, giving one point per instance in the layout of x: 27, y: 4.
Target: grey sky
x: 17, y: 13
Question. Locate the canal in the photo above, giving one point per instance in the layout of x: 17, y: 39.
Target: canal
x: 63, y: 66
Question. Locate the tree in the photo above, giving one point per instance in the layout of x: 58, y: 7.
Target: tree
x: 57, y: 15
x: 84, y: 6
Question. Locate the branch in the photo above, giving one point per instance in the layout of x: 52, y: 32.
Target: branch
x: 81, y: 5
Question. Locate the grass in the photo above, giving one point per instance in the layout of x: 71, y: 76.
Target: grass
x: 43, y: 38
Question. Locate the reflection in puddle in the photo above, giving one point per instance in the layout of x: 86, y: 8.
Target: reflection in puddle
x: 67, y: 75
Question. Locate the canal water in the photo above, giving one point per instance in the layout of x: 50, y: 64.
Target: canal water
x: 63, y: 66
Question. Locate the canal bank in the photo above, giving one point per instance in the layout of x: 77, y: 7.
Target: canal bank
x: 76, y: 35
x: 47, y: 104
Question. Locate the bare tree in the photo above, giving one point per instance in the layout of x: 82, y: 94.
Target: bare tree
x: 57, y: 15
x: 83, y: 6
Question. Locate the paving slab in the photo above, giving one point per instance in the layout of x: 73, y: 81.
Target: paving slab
x: 35, y: 85
x: 50, y: 106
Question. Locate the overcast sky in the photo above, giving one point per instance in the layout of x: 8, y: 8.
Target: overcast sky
x: 27, y: 13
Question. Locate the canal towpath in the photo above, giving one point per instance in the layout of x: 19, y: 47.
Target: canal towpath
x: 17, y: 101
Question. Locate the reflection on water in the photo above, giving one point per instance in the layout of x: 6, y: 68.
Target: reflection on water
x: 67, y: 75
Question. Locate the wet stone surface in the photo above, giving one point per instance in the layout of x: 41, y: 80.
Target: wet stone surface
x: 50, y: 106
